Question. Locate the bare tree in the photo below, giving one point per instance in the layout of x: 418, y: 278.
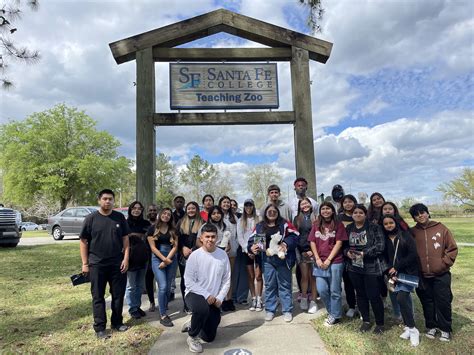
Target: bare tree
x: 315, y: 16
x: 258, y: 179
x: 10, y: 13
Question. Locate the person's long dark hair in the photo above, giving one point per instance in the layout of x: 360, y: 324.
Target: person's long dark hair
x: 350, y: 197
x: 221, y: 223
x: 280, y: 220
x: 245, y: 216
x: 374, y: 212
x: 299, y: 217
x: 333, y: 221
x: 229, y: 211
x: 132, y: 220
x: 400, y: 233
x: 403, y: 224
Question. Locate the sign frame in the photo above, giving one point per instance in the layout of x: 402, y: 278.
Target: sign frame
x: 230, y: 106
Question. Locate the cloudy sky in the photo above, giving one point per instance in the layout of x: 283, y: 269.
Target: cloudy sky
x: 392, y: 107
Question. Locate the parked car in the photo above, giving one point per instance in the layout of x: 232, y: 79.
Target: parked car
x: 122, y: 210
x: 69, y: 221
x: 9, y: 233
x: 29, y: 226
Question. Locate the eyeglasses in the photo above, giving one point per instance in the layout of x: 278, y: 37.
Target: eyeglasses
x: 272, y: 212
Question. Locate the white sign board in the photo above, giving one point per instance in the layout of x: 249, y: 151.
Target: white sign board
x: 223, y: 86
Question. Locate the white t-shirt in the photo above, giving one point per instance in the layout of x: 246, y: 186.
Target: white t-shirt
x: 243, y: 235
x: 208, y: 274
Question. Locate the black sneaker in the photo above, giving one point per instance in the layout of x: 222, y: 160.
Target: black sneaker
x: 172, y: 297
x: 102, y: 334
x: 379, y: 329
x: 141, y: 311
x: 135, y: 315
x: 120, y: 328
x: 225, y: 306
x: 166, y: 321
x: 231, y: 306
x: 365, y: 327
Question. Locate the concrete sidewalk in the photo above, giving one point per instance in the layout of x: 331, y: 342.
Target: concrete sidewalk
x: 243, y: 329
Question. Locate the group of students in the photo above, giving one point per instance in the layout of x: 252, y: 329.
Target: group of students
x: 338, y: 242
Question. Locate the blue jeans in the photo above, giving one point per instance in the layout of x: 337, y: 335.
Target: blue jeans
x: 278, y: 279
x: 396, y: 305
x: 135, y: 286
x: 164, y: 277
x: 330, y: 290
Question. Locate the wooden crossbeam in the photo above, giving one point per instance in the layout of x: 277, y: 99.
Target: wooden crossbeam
x: 223, y: 118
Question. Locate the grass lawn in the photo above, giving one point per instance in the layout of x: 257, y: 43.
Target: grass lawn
x: 41, y: 312
x: 345, y: 338
x: 35, y: 234
x: 461, y: 227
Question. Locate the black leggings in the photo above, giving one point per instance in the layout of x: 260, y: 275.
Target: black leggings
x: 349, y: 290
x: 205, y: 318
x: 182, y: 286
x: 368, y: 290
x: 406, y: 309
x: 150, y: 283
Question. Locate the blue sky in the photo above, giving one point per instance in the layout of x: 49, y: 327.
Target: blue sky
x: 392, y: 107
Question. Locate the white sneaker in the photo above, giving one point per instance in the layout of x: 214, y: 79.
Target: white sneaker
x: 414, y: 337
x: 304, y: 304
x: 253, y: 304
x: 313, y: 307
x: 351, y: 312
x: 194, y: 344
x: 445, y: 336
x: 259, y: 306
x: 431, y: 333
x: 186, y: 326
x: 406, y: 333
x: 287, y: 316
x: 269, y: 316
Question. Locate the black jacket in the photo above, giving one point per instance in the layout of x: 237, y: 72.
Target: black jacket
x: 406, y: 261
x: 374, y: 250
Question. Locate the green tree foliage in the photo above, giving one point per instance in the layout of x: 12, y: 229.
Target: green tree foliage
x: 220, y: 185
x: 201, y: 177
x: 10, y: 12
x: 197, y: 175
x: 60, y: 154
x: 126, y: 191
x: 258, y: 179
x: 460, y: 189
x: 166, y: 178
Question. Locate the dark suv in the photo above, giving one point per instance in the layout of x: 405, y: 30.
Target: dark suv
x: 69, y: 221
x: 9, y: 233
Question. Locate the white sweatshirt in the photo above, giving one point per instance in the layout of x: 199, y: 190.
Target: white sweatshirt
x: 243, y: 235
x: 208, y: 274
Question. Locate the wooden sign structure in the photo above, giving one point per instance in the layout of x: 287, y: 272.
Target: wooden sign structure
x: 157, y: 46
x: 223, y: 85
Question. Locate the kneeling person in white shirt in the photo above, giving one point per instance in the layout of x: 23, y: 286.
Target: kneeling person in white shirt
x: 207, y: 279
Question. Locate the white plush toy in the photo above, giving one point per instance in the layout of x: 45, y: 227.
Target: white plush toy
x: 225, y: 240
x: 273, y: 248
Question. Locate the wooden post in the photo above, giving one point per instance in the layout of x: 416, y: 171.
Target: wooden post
x: 145, y: 127
x: 303, y: 127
